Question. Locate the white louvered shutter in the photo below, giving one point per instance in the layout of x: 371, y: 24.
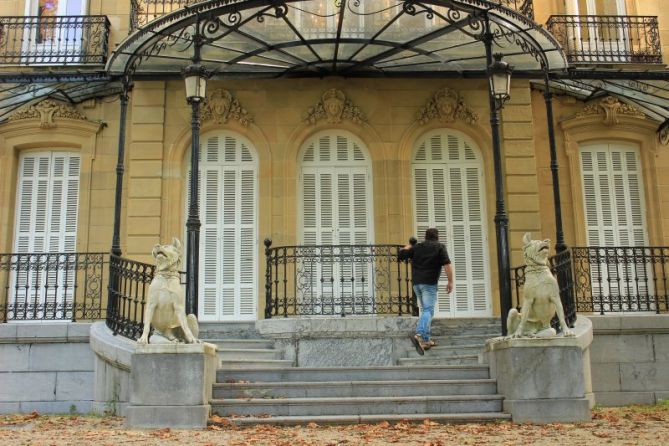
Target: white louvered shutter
x: 228, y: 244
x: 47, y: 213
x: 336, y: 210
x: 614, y: 214
x: 448, y: 195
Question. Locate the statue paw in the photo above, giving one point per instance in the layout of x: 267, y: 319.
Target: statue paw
x: 143, y: 340
x: 568, y: 333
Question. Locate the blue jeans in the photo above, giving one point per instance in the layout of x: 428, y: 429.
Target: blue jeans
x: 427, y: 299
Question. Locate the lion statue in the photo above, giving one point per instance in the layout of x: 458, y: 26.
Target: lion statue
x: 166, y: 303
x: 542, y: 295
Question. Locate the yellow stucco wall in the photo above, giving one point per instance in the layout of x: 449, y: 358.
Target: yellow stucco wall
x: 158, y: 137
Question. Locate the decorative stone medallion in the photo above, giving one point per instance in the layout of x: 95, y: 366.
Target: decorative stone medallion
x: 46, y: 111
x: 220, y: 106
x: 334, y: 107
x: 446, y: 106
x: 610, y: 108
x: 663, y: 134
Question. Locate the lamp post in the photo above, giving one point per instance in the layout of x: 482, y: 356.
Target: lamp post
x: 499, y: 76
x: 195, y: 77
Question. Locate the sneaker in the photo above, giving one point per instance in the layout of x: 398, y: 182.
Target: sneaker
x: 429, y: 344
x: 417, y: 342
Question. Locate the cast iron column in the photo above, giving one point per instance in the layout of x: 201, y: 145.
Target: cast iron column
x: 116, y: 238
x: 560, y: 245
x: 193, y: 222
x: 501, y: 219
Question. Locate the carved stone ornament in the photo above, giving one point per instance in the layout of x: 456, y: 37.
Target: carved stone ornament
x: 334, y: 107
x: 611, y: 108
x: 446, y: 106
x: 46, y: 111
x: 663, y: 134
x: 220, y: 106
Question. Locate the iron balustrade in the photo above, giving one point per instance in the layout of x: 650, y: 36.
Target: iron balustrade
x: 337, y: 280
x: 621, y: 279
x: 57, y: 40
x: 128, y: 289
x: 593, y: 39
x: 128, y: 292
x: 525, y: 7
x: 144, y: 11
x: 561, y: 267
x: 52, y: 286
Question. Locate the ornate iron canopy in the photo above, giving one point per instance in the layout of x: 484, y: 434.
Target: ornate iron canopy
x: 279, y: 38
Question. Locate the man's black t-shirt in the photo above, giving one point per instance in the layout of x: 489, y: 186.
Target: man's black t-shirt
x: 428, y: 258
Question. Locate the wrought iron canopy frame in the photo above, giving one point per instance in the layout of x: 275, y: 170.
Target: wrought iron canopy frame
x: 292, y: 38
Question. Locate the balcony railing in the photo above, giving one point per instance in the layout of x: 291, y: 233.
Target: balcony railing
x: 128, y: 290
x: 58, y: 40
x: 621, y: 279
x: 608, y: 280
x: 52, y: 286
x: 337, y: 280
x: 607, y: 39
x: 144, y: 11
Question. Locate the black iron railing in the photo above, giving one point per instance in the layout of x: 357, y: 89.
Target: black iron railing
x: 621, y: 279
x: 52, y: 286
x: 128, y: 289
x: 58, y: 40
x: 525, y: 7
x: 561, y: 267
x: 144, y: 11
x: 337, y: 280
x: 607, y: 39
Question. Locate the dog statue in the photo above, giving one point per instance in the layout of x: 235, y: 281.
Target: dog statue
x: 166, y: 303
x: 542, y: 295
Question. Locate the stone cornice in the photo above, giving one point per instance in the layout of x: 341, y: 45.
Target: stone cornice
x: 220, y: 107
x: 334, y: 107
x: 446, y: 105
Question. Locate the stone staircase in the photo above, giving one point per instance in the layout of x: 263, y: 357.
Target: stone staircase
x: 459, y: 342
x: 255, y: 385
x: 240, y: 346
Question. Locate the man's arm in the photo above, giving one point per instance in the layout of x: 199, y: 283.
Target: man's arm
x: 448, y: 269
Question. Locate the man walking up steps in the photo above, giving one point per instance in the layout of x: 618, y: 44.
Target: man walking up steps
x: 427, y: 260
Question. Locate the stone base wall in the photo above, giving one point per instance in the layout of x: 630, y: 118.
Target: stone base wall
x: 332, y: 342
x: 46, y: 367
x: 629, y: 358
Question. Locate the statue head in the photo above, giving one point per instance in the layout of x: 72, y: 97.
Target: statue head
x: 333, y: 104
x: 168, y: 257
x: 535, y: 252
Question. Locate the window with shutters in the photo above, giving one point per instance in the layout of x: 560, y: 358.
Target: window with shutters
x: 228, y: 235
x: 47, y: 206
x: 615, y: 214
x: 449, y: 195
x: 335, y: 192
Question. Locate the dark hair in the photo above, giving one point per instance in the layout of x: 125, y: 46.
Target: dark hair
x: 432, y: 234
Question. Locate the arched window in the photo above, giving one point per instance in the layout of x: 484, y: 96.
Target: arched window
x: 449, y: 195
x: 228, y: 235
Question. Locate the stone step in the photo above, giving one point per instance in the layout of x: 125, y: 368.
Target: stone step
x: 462, y: 360
x: 231, y: 354
x: 222, y: 330
x: 263, y: 364
x: 446, y: 418
x: 454, y: 340
x: 223, y: 343
x: 319, y: 374
x: 440, y: 351
x: 358, y: 405
x: 485, y: 330
x: 355, y: 389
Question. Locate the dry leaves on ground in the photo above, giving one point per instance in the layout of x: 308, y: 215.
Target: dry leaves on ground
x: 633, y: 425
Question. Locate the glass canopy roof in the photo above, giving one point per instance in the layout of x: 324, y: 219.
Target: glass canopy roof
x: 276, y: 38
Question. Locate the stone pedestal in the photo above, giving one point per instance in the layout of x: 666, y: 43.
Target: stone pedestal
x: 544, y: 380
x: 171, y: 385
